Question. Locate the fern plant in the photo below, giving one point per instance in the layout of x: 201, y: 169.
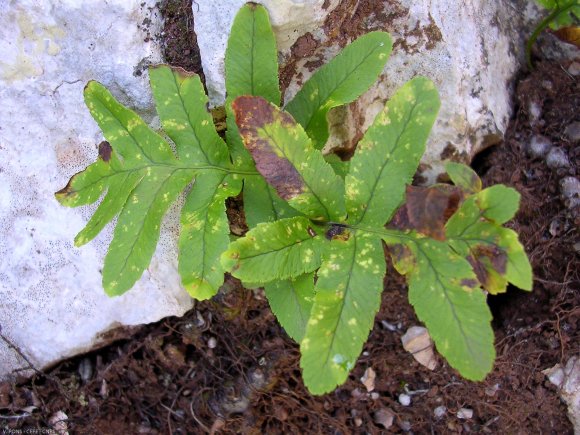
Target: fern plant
x: 143, y: 171
x: 317, y: 224
x: 332, y: 253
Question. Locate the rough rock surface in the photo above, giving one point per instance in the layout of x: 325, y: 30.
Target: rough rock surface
x: 470, y: 49
x: 567, y: 379
x: 52, y: 302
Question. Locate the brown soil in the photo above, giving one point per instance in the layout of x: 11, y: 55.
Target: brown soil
x: 227, y: 365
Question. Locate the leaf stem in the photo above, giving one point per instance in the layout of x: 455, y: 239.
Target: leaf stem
x: 386, y: 234
x: 201, y: 168
x: 542, y: 26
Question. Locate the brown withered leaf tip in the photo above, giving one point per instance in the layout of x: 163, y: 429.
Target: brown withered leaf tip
x: 253, y: 113
x: 427, y: 209
x: 105, y: 151
x: 67, y: 190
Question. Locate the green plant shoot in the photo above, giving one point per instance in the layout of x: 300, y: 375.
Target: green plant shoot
x: 141, y: 172
x: 316, y: 229
x: 340, y: 243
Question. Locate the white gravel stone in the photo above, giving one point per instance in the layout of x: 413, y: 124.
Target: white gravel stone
x: 574, y: 68
x: 539, y: 146
x: 557, y: 158
x: 440, y: 411
x: 570, y: 188
x: 53, y: 304
x: 404, y: 399
x: 384, y: 417
x: 465, y: 413
x: 573, y: 131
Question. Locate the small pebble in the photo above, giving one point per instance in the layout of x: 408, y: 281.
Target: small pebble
x: 570, y: 188
x: 104, y: 391
x: 58, y: 422
x: 356, y: 393
x: 404, y: 399
x: 405, y: 426
x: 212, y: 343
x: 465, y: 413
x: 555, y: 228
x: 574, y: 68
x: 539, y: 146
x: 384, y: 417
x: 375, y: 396
x: 439, y: 411
x: 557, y: 158
x: 368, y: 379
x: 199, y: 320
x: 573, y: 131
x: 535, y: 112
x: 490, y: 391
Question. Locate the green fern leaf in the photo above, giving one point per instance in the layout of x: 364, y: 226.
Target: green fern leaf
x: 291, y: 301
x: 388, y: 155
x: 340, y: 81
x: 251, y: 66
x: 157, y: 176
x: 181, y: 104
x: 463, y: 177
x: 348, y: 295
x: 285, y: 158
x: 143, y: 177
x: 444, y: 292
x: 204, y: 233
x: 287, y: 248
x: 475, y: 232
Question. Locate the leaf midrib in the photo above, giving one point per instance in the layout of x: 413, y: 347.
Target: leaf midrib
x: 142, y: 224
x: 275, y: 142
x: 474, y: 354
x: 179, y: 86
x: 206, y: 220
x: 387, y: 161
x: 339, y: 84
x: 343, y: 302
x: 270, y: 251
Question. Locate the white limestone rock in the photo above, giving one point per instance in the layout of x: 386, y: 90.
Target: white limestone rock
x: 567, y: 379
x: 470, y: 49
x: 53, y: 304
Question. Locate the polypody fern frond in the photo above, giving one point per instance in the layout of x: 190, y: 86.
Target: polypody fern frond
x: 143, y: 176
x: 443, y: 286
